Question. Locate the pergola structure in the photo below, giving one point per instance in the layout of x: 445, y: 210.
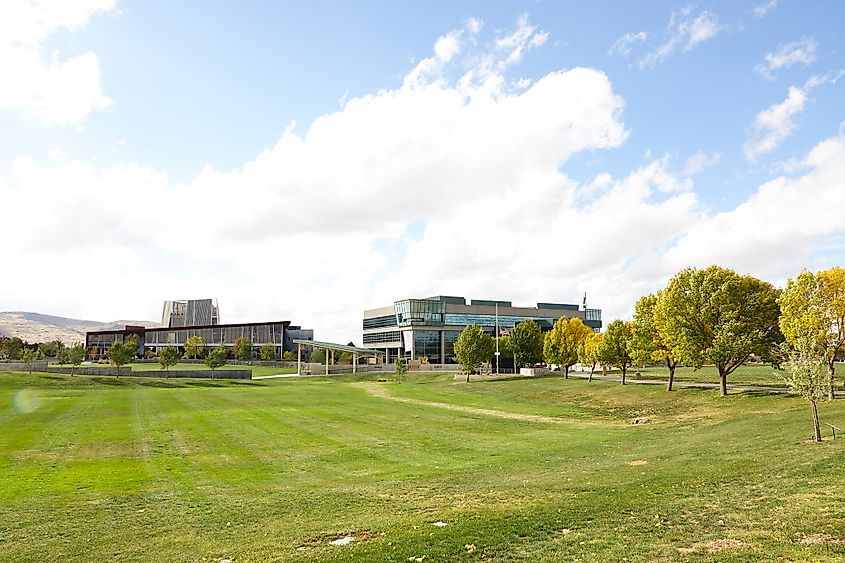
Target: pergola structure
x: 331, y: 348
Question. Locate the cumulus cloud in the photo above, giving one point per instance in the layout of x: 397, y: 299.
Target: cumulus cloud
x: 439, y: 185
x: 774, y: 232
x: 787, y: 55
x: 623, y: 45
x: 700, y: 161
x: 685, y: 31
x: 47, y: 87
x: 777, y: 122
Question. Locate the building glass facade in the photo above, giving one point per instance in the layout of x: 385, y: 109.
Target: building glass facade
x: 428, y: 328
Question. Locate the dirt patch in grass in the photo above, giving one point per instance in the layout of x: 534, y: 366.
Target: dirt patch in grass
x: 636, y: 462
x: 379, y: 391
x: 820, y: 539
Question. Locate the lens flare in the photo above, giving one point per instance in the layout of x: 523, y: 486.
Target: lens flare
x: 26, y: 401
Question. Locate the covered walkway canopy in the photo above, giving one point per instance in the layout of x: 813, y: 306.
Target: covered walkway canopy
x: 332, y: 347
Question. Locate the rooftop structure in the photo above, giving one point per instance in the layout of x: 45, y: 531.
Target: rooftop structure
x: 190, y: 312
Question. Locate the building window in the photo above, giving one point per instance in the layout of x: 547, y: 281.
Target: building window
x: 427, y: 343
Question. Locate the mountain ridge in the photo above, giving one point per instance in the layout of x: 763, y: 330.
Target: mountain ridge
x: 39, y: 327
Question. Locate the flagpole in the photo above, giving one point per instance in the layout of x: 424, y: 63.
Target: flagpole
x: 497, y: 339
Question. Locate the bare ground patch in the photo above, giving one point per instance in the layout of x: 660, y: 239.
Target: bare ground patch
x: 379, y: 391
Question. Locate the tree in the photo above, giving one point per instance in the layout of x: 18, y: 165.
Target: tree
x: 267, y: 352
x: 121, y: 353
x: 805, y: 373
x: 194, y: 346
x: 563, y: 342
x: 12, y: 348
x: 216, y: 357
x: 168, y: 357
x: 647, y: 345
x: 527, y: 341
x: 715, y: 316
x: 29, y: 355
x: 473, y: 348
x: 400, y: 368
x: 288, y: 356
x: 318, y: 356
x: 587, y: 352
x: 613, y: 348
x: 505, y: 349
x: 813, y: 307
x: 76, y: 355
x: 52, y: 349
x: 242, y: 349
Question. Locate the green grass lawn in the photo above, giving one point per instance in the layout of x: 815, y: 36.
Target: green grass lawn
x: 535, y: 469
x: 764, y: 375
x: 256, y: 370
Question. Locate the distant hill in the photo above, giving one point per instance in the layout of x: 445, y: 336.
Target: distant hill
x: 36, y: 327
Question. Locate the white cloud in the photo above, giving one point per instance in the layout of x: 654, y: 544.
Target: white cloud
x: 763, y: 9
x: 773, y: 233
x: 623, y: 45
x: 437, y: 186
x: 473, y: 25
x: 777, y: 122
x: 685, y: 31
x: 787, y: 55
x: 700, y: 161
x: 50, y: 89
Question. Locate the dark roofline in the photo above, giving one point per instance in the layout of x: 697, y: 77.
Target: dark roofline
x: 132, y: 329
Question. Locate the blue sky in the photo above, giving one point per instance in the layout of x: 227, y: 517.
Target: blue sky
x: 537, y: 153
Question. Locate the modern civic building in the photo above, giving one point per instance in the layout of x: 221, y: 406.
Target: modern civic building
x: 176, y: 331
x: 429, y: 327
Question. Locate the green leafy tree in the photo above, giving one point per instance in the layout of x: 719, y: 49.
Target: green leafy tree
x: 243, y: 349
x: 647, y: 345
x: 813, y: 308
x: 12, y: 348
x: 506, y: 348
x: 194, y: 346
x: 805, y: 372
x: 168, y: 357
x: 76, y: 355
x: 288, y: 356
x: 216, y: 357
x: 587, y: 352
x: 473, y: 348
x: 318, y: 356
x: 267, y: 352
x: 613, y: 349
x: 562, y: 343
x: 52, y: 349
x: 29, y: 355
x: 527, y: 341
x: 715, y: 316
x: 123, y: 352
x: 400, y: 368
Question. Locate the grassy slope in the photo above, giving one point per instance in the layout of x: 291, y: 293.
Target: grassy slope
x: 181, y: 470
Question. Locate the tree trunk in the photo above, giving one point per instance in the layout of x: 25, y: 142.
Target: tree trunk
x: 592, y: 369
x: 671, y: 367
x: 723, y: 382
x: 624, y: 369
x: 831, y: 372
x: 566, y: 372
x: 817, y: 433
x: 468, y: 376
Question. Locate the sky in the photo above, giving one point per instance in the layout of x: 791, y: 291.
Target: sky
x: 304, y: 161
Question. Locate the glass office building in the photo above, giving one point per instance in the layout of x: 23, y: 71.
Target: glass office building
x: 428, y: 328
x: 280, y: 334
